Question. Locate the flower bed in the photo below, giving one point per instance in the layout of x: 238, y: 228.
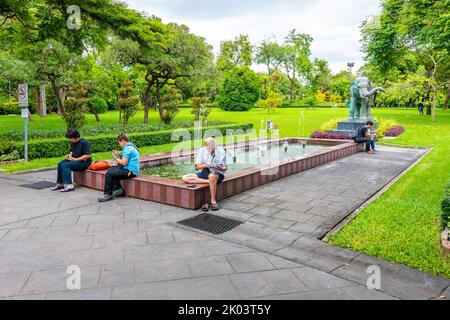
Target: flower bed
x: 394, y: 131
x: 325, y: 135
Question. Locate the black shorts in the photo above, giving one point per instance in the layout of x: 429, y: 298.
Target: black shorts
x: 206, y: 172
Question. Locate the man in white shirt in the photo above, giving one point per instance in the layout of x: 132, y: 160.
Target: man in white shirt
x: 211, y: 164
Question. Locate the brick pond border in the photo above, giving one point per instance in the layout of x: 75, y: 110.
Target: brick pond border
x: 176, y: 193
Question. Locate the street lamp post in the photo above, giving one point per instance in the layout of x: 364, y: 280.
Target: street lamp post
x: 350, y: 66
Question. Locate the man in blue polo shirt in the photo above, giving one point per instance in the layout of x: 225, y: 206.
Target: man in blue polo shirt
x: 127, y: 168
x: 211, y: 164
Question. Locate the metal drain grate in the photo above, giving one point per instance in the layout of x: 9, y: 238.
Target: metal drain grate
x: 211, y: 223
x: 40, y: 185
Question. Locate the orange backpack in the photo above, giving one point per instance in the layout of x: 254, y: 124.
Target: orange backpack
x: 99, y: 166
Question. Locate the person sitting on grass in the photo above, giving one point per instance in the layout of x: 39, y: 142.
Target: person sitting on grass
x: 211, y: 163
x: 79, y: 159
x: 364, y: 136
x: 127, y: 168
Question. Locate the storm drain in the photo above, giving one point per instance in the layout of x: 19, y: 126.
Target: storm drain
x: 40, y: 185
x: 211, y: 223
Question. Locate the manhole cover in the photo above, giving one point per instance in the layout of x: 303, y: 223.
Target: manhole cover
x: 40, y: 185
x: 211, y: 223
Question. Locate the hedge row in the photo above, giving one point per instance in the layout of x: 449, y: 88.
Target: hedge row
x: 52, y: 148
x: 445, y: 215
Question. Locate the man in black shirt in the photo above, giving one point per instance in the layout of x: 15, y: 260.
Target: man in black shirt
x: 364, y: 136
x: 79, y: 159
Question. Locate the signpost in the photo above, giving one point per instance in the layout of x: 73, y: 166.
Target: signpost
x: 23, y: 103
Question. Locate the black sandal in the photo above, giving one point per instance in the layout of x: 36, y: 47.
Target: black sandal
x: 205, y: 207
x: 215, y: 207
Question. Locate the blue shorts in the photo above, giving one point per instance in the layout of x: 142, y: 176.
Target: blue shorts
x: 205, y: 175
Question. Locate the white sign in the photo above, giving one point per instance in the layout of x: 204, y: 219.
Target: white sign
x: 23, y: 95
x: 25, y: 113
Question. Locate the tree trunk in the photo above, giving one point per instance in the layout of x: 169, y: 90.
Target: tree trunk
x: 42, y: 102
x: 447, y: 100
x: 160, y: 104
x: 147, y: 102
x: 59, y: 93
x: 433, y: 109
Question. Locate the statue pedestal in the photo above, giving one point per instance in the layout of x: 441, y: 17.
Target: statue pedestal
x: 347, y: 127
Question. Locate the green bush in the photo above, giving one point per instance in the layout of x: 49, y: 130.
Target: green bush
x: 98, y: 105
x: 9, y: 106
x: 101, y: 129
x: 6, y: 147
x: 240, y: 90
x: 15, y: 155
x: 445, y: 215
x: 52, y: 148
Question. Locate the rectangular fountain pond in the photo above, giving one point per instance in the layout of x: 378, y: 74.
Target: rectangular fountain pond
x: 251, y: 164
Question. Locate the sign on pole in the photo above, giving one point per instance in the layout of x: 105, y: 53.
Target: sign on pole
x: 23, y: 102
x: 23, y: 95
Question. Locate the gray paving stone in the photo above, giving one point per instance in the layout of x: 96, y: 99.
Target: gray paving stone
x: 11, y: 284
x: 362, y: 293
x: 284, y: 281
x: 88, y: 294
x: 281, y: 263
x: 160, y: 237
x: 144, y: 254
x: 95, y: 257
x: 18, y: 234
x: 28, y: 297
x: 65, y: 221
x: 218, y: 247
x: 249, y: 262
x: 54, y: 280
x: 40, y: 222
x: 296, y: 216
x: 210, y: 266
x: 264, y: 210
x: 211, y: 288
x: 117, y: 275
x: 316, y: 280
x: 182, y: 250
x: 161, y: 270
x: 329, y: 294
x: 251, y: 285
x: 275, y: 222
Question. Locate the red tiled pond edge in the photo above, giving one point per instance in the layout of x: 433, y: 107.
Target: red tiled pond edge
x: 176, y: 193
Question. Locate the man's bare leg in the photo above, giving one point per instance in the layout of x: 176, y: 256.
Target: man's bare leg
x: 192, y: 178
x: 213, y: 178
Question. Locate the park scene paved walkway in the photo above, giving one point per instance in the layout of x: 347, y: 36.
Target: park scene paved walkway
x: 133, y: 249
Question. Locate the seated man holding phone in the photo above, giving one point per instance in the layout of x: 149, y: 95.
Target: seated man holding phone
x: 211, y: 164
x: 127, y: 168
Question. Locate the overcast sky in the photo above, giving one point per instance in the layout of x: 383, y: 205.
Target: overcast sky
x: 333, y: 24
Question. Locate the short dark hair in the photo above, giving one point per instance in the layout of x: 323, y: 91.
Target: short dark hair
x: 72, y: 134
x: 369, y: 123
x: 123, y: 137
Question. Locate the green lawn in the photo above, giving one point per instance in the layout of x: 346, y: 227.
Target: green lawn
x: 401, y: 226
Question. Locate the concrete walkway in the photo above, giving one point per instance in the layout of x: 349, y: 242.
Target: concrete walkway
x: 132, y: 249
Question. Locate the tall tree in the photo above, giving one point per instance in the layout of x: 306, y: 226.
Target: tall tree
x: 237, y: 52
x: 269, y: 53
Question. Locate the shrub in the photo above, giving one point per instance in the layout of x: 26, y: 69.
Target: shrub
x: 18, y: 135
x: 98, y: 105
x: 197, y: 104
x: 272, y: 102
x: 394, y: 132
x: 52, y: 148
x: 15, y: 155
x: 325, y: 135
x: 445, y: 205
x: 6, y: 147
x: 75, y: 106
x: 171, y: 101
x: 9, y: 106
x: 385, y: 125
x: 240, y: 90
x: 330, y: 125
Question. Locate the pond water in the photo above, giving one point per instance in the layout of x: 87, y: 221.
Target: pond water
x: 238, y: 159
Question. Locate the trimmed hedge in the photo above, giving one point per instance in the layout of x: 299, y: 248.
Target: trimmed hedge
x: 445, y: 215
x: 52, y: 148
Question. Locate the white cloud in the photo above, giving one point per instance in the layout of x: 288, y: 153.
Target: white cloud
x: 333, y: 24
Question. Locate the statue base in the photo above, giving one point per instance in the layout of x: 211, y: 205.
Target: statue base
x: 347, y: 127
